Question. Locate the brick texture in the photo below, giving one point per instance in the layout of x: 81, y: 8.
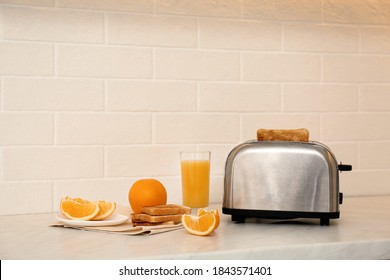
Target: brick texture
x: 95, y: 95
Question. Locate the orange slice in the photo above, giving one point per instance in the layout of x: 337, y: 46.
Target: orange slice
x: 199, y: 225
x: 202, y: 211
x: 80, y: 200
x: 77, y: 199
x: 74, y: 210
x: 106, y: 210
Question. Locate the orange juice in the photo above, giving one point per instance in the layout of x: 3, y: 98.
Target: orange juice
x: 195, y: 176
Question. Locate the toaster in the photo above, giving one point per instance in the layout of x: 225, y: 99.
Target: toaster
x: 282, y: 180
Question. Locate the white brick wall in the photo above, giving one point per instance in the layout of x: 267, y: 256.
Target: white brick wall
x: 52, y: 25
x: 26, y: 59
x: 95, y: 94
x: 84, y: 61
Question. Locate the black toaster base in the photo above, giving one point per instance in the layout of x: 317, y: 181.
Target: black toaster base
x: 239, y: 215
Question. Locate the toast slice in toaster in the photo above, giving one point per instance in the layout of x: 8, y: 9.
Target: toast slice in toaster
x: 297, y: 135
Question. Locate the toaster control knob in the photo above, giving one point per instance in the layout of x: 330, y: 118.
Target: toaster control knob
x: 340, y: 198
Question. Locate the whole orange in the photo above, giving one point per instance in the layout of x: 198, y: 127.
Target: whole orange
x: 147, y: 192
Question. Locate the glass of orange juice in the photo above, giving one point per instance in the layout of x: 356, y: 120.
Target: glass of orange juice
x: 195, y: 178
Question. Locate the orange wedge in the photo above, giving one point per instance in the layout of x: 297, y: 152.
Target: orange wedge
x: 106, y: 210
x: 199, y: 225
x: 80, y: 200
x: 74, y: 210
x: 202, y: 211
x: 77, y: 199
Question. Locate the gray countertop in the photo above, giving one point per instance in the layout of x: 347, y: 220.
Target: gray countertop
x: 362, y: 232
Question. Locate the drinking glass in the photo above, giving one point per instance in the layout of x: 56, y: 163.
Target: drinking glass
x: 195, y: 178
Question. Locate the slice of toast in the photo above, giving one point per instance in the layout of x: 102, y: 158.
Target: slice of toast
x: 298, y: 135
x: 137, y: 223
x: 156, y: 219
x: 169, y: 209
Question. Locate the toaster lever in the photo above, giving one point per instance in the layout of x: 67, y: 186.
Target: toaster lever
x: 345, y: 167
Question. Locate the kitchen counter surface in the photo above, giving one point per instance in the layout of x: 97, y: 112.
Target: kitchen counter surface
x: 362, y: 232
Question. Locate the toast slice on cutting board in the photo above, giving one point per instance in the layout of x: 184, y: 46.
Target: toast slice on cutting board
x: 161, y: 214
x: 168, y: 209
x: 156, y: 219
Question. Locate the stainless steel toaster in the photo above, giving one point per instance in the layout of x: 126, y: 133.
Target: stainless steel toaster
x: 282, y: 180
